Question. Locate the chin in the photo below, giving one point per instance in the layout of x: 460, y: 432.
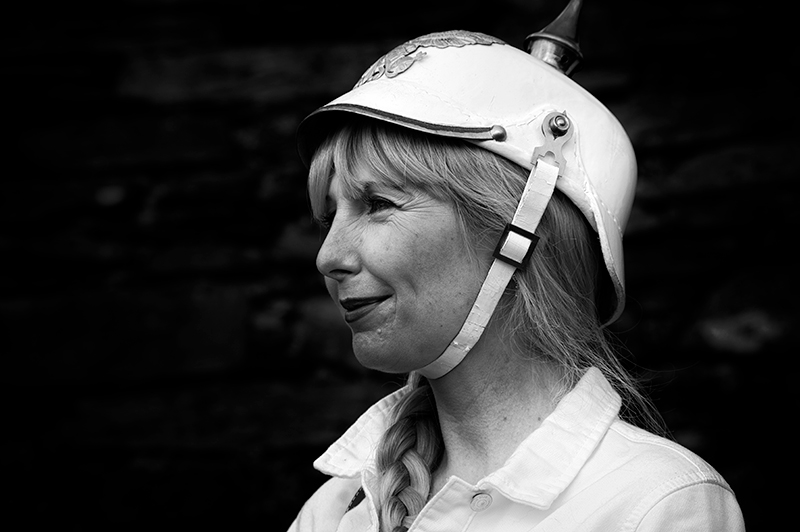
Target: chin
x: 381, y: 362
x: 386, y: 360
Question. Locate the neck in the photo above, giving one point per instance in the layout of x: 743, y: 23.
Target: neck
x: 487, y: 406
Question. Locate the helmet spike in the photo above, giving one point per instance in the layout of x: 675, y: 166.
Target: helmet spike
x: 557, y: 44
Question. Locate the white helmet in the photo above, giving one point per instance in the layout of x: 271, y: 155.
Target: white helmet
x: 475, y: 87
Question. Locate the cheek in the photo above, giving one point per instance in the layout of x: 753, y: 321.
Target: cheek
x: 444, y: 275
x: 447, y: 259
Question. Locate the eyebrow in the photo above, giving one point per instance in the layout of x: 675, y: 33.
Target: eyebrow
x: 363, y: 187
x: 372, y: 185
x: 366, y: 187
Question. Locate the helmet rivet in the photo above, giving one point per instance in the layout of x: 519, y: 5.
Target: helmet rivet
x: 498, y: 133
x: 559, y: 125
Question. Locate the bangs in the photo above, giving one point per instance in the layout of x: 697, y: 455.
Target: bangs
x: 394, y: 156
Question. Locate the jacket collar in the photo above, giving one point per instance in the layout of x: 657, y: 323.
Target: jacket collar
x: 539, y: 470
x: 355, y: 449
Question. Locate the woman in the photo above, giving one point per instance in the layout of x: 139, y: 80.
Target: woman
x: 474, y: 198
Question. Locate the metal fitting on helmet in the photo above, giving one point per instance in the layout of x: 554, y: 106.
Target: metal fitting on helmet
x: 557, y: 44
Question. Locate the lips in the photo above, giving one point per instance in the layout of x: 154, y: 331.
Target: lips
x: 358, y: 307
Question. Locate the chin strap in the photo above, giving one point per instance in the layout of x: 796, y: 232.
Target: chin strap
x: 516, y: 245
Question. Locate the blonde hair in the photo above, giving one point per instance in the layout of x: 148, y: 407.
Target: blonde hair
x: 551, y: 309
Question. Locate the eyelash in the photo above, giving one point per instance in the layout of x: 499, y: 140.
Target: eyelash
x: 377, y: 203
x: 326, y: 220
x: 374, y: 205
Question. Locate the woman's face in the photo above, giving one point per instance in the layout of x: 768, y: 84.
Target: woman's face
x: 396, y: 264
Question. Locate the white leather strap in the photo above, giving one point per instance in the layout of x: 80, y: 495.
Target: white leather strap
x: 514, y: 247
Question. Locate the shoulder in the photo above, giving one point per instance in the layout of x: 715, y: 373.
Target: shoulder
x: 667, y: 483
x: 663, y: 458
x: 325, y: 508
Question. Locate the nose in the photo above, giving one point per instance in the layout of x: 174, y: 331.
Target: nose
x: 338, y: 256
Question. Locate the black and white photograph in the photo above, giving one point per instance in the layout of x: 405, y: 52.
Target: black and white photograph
x: 513, y: 266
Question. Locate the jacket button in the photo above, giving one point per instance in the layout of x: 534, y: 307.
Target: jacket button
x: 480, y: 502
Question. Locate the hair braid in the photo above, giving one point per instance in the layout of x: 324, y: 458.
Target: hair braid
x: 407, y: 456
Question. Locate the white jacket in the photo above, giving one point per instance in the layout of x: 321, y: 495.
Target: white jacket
x: 583, y: 469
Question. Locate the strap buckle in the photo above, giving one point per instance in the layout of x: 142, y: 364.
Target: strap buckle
x: 516, y: 246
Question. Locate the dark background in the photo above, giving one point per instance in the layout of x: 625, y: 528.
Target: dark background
x: 169, y: 354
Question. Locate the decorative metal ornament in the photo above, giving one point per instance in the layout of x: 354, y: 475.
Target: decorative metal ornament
x: 400, y: 59
x: 557, y: 44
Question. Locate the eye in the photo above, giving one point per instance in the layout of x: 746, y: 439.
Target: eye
x: 376, y: 204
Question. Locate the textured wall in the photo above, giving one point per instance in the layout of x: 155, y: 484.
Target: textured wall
x: 169, y: 353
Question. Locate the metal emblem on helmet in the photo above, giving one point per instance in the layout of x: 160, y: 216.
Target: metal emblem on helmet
x: 400, y: 59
